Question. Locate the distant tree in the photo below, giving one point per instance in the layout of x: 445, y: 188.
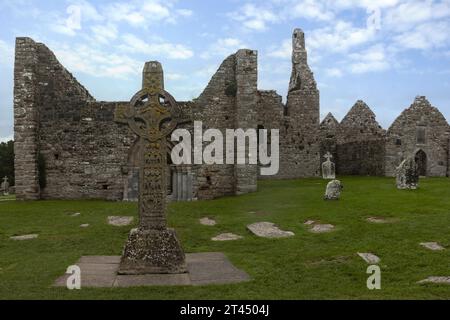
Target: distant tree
x: 7, y: 161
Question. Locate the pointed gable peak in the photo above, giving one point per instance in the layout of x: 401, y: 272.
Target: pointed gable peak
x: 329, y: 120
x: 360, y: 115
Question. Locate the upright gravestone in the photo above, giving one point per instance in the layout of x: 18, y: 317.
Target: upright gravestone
x: 5, y: 186
x: 407, y: 175
x: 152, y: 114
x: 328, y: 167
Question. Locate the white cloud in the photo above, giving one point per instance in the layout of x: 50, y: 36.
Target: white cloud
x: 282, y: 51
x: 144, y: 13
x: 173, y: 51
x: 310, y: 9
x: 425, y: 36
x: 104, y: 33
x: 373, y: 59
x: 97, y: 63
x: 408, y: 14
x: 334, y: 72
x: 339, y: 38
x: 223, y: 47
x: 253, y: 17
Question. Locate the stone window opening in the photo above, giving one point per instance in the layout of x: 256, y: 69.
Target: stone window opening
x: 421, y: 135
x: 398, y: 142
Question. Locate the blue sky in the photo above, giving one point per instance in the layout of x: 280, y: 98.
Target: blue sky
x: 385, y: 52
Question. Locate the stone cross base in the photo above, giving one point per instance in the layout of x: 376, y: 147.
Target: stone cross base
x: 152, y: 252
x: 203, y: 269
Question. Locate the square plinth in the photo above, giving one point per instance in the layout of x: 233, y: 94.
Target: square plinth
x: 202, y: 269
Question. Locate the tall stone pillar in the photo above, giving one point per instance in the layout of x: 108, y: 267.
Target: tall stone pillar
x: 246, y: 117
x: 26, y: 121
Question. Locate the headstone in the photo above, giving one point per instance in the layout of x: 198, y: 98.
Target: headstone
x: 322, y: 228
x: 25, y: 237
x: 376, y: 220
x: 268, y: 230
x: 328, y: 168
x: 407, y: 175
x: 118, y: 221
x: 5, y: 186
x: 333, y: 191
x: 432, y: 246
x: 437, y: 280
x: 152, y: 115
x: 369, y: 257
x: 207, y: 222
x: 226, y: 237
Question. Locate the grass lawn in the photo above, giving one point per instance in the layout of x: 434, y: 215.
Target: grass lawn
x: 306, y: 266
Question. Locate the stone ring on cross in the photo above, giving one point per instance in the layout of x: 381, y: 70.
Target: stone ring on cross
x: 153, y: 114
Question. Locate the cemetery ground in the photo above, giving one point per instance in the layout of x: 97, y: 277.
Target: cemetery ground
x: 305, y: 266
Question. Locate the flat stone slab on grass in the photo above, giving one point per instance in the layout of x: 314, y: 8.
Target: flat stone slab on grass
x: 203, y: 269
x: 377, y: 220
x: 76, y: 214
x: 268, y: 230
x: 432, y: 246
x: 86, y: 225
x: 437, y: 280
x: 207, y: 222
x: 226, y: 237
x: 25, y: 237
x: 119, y: 221
x: 309, y: 222
x: 369, y: 257
x: 322, y: 228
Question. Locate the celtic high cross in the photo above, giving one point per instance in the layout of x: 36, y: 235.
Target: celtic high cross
x: 152, y: 115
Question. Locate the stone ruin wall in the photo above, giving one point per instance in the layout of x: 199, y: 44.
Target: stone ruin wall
x: 402, y: 138
x: 299, y: 127
x: 360, y: 143
x: 73, y: 136
x: 328, y: 137
x: 88, y: 155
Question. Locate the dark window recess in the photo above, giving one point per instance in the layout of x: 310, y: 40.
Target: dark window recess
x: 56, y: 156
x: 105, y: 187
x: 421, y: 135
x: 208, y: 179
x: 398, y: 142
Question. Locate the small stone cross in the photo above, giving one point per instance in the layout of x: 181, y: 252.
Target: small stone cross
x: 328, y: 156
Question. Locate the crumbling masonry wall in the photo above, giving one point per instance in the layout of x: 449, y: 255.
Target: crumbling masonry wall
x: 419, y: 127
x: 360, y: 143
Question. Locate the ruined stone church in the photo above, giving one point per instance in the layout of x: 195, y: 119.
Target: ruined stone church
x: 70, y: 146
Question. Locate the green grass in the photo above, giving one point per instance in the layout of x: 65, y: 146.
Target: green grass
x: 306, y: 266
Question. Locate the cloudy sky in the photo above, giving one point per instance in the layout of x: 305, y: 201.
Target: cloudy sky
x: 385, y: 52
